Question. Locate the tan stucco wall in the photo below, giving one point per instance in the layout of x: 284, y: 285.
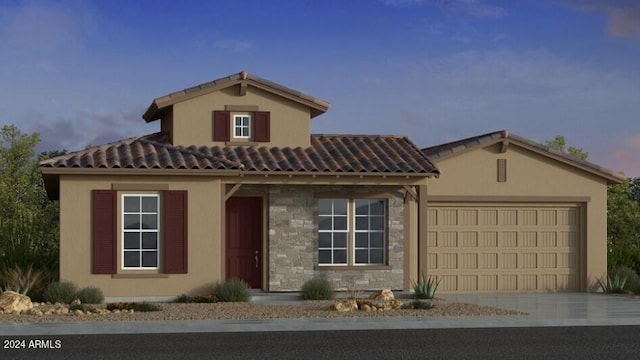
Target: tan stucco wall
x: 530, y: 174
x: 193, y: 124
x: 204, y: 234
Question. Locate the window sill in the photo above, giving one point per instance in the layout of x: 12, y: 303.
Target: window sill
x: 351, y: 267
x: 139, y: 276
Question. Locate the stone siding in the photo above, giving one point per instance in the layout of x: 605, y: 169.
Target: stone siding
x: 293, y: 241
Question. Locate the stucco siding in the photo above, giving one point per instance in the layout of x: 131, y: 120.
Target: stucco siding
x: 192, y: 119
x: 204, y: 267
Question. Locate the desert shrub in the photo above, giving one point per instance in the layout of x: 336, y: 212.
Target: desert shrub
x: 22, y: 279
x: 317, y: 289
x: 183, y: 299
x: 90, y: 295
x: 419, y: 305
x: 135, y: 306
x: 425, y: 288
x: 62, y: 292
x: 205, y: 299
x: 234, y: 290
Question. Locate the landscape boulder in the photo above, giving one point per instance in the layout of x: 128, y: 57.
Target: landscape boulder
x: 385, y: 294
x: 12, y: 302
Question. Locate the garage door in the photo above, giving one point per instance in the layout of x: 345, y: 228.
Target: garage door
x: 503, y: 248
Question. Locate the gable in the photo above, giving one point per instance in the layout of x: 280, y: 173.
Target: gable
x: 188, y: 116
x: 493, y: 170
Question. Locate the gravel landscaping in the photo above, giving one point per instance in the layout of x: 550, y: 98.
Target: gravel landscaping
x: 256, y: 311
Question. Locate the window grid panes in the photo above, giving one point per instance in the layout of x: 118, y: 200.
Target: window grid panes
x: 241, y: 126
x: 369, y: 232
x: 140, y: 231
x: 333, y: 230
x: 365, y: 244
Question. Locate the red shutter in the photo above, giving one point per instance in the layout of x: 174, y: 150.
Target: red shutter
x: 104, y: 232
x: 262, y: 126
x: 175, y: 232
x: 221, y: 125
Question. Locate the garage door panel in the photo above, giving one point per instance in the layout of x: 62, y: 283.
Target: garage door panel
x: 503, y: 247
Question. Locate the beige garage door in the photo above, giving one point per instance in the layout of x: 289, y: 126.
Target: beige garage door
x: 503, y: 248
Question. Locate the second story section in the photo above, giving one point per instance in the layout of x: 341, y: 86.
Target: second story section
x: 241, y: 109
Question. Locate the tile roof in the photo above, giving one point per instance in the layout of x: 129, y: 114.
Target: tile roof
x: 445, y: 150
x: 327, y: 154
x: 158, y: 105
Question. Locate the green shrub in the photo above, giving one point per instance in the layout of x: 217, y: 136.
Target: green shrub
x: 22, y: 279
x: 90, y: 295
x: 234, y: 290
x: 317, y: 289
x: 62, y: 292
x: 425, y: 288
x: 135, y: 306
x: 419, y: 305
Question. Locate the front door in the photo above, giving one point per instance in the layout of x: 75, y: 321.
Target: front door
x: 244, y: 240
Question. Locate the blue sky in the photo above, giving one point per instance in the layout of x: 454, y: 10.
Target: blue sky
x: 83, y: 72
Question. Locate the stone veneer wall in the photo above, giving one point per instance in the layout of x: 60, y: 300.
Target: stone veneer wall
x: 293, y: 241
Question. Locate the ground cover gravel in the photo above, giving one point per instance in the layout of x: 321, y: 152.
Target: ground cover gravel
x: 257, y: 311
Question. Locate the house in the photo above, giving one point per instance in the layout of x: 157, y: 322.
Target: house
x: 235, y: 186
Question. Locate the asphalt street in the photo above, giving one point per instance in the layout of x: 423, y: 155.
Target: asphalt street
x: 598, y: 342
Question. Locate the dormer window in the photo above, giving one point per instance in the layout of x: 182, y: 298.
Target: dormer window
x: 242, y: 126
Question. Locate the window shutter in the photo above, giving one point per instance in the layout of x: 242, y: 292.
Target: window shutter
x: 262, y: 125
x: 221, y: 125
x: 175, y: 232
x: 104, y: 232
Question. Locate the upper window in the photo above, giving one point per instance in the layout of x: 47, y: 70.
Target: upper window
x: 242, y: 126
x: 352, y: 231
x: 140, y: 231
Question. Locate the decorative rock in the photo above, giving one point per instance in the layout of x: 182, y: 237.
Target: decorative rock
x: 12, y: 302
x: 78, y: 312
x: 385, y: 294
x: 345, y: 306
x: 76, y: 302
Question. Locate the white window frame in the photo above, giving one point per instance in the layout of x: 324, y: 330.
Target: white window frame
x: 352, y: 231
x: 333, y: 233
x: 140, y: 231
x: 242, y: 126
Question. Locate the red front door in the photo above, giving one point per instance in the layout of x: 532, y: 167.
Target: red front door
x: 244, y: 240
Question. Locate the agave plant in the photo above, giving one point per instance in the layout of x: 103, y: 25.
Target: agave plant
x: 614, y: 284
x: 21, y: 279
x: 425, y: 287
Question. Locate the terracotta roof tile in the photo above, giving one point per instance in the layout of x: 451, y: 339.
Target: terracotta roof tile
x: 327, y: 153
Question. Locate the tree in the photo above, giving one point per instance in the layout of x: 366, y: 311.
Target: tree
x: 559, y: 143
x: 29, y: 221
x: 623, y: 215
x: 623, y: 227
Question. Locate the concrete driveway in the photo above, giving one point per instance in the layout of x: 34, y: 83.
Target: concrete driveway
x: 559, y: 309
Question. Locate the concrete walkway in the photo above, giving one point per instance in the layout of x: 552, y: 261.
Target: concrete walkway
x: 573, y: 309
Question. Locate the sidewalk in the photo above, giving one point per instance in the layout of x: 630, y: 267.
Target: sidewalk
x: 562, y: 309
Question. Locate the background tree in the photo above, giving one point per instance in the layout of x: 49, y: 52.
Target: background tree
x: 623, y: 215
x: 559, y: 143
x: 29, y: 223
